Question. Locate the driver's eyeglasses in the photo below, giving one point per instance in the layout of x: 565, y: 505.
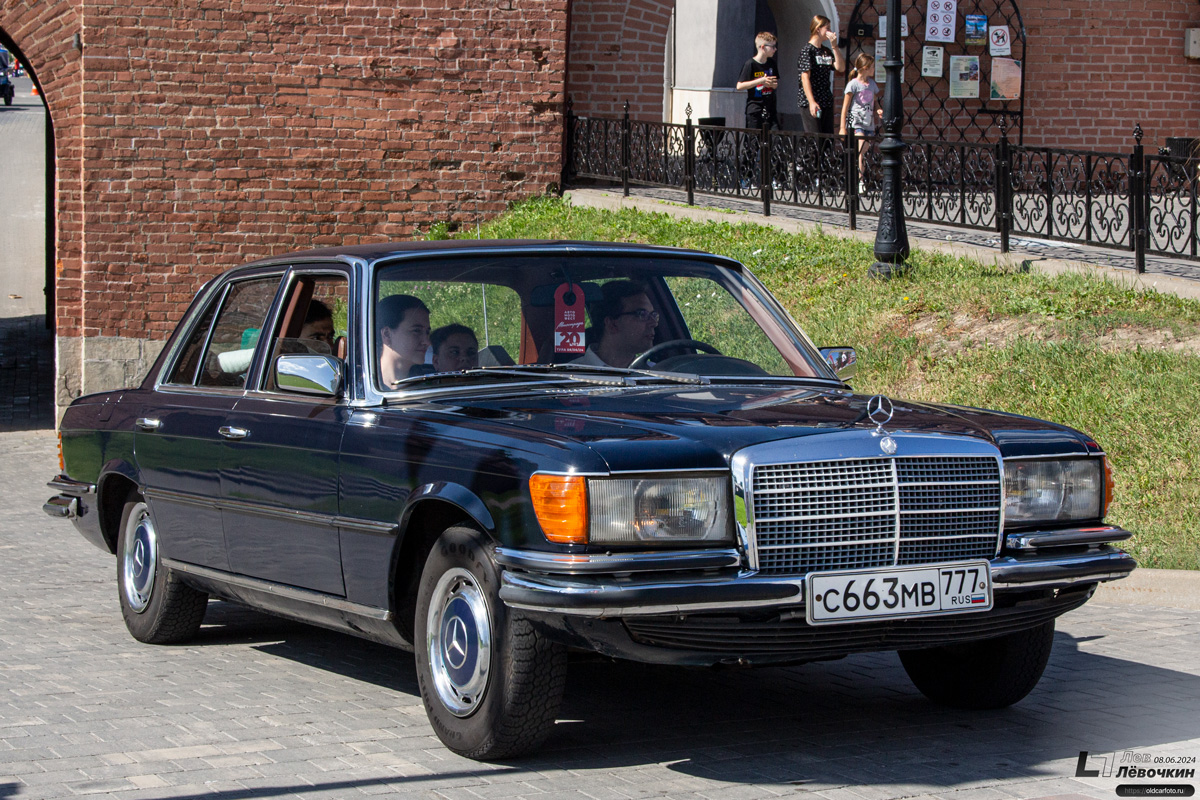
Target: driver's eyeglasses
x: 642, y: 315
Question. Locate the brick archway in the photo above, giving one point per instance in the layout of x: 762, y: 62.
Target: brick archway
x: 615, y: 54
x: 205, y: 135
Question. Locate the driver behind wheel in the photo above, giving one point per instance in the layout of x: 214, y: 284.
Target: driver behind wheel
x: 623, y: 325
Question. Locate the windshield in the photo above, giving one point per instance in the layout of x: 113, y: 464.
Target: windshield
x: 516, y: 315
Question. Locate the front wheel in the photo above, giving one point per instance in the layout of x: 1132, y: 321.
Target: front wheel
x: 993, y: 673
x: 490, y: 682
x: 158, y: 608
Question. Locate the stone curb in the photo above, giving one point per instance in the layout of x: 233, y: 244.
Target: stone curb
x: 606, y: 199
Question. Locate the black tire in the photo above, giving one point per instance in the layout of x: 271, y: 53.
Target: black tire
x: 993, y: 673
x: 158, y: 608
x: 501, y: 698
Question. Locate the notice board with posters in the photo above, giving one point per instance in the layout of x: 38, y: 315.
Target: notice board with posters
x: 963, y: 65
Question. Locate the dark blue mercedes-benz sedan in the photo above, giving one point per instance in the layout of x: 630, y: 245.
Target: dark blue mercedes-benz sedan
x: 491, y: 452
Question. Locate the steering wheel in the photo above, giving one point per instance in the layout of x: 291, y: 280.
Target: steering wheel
x: 703, y: 347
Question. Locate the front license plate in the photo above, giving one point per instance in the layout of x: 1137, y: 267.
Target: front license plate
x: 891, y: 592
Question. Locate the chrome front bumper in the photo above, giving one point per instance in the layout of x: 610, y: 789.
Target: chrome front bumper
x: 594, y: 586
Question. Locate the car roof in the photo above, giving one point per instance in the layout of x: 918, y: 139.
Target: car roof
x: 384, y: 250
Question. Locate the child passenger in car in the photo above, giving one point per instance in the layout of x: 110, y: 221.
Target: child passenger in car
x: 454, y: 348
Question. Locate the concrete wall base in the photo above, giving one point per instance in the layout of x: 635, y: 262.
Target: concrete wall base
x: 100, y: 364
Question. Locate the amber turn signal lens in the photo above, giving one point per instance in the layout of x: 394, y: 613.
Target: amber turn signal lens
x: 560, y: 502
x: 62, y: 467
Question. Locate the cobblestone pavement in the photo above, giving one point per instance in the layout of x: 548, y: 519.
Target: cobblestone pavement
x: 26, y: 374
x: 259, y: 707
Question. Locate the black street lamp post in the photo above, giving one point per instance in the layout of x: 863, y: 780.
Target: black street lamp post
x: 891, y: 237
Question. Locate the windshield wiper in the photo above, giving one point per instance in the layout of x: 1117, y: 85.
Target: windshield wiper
x: 573, y: 372
x: 583, y: 373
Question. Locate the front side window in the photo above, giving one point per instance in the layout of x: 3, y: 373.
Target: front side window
x: 313, y: 320
x: 219, y: 351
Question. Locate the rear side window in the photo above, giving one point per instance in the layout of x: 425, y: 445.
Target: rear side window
x: 220, y: 353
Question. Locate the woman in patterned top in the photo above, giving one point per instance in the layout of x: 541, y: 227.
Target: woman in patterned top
x: 815, y: 66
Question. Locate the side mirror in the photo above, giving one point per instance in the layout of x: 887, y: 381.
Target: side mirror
x: 311, y: 374
x: 843, y: 360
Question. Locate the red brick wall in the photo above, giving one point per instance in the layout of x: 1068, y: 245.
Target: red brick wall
x: 205, y: 134
x: 1098, y: 67
x: 617, y: 54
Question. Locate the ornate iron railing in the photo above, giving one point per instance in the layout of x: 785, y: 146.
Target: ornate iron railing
x: 1128, y: 201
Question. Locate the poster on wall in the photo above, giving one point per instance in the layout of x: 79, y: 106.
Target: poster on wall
x: 1006, y: 79
x: 931, y: 62
x: 941, y: 20
x: 880, y: 56
x: 883, y: 25
x: 999, y: 43
x: 975, y: 29
x: 964, y: 77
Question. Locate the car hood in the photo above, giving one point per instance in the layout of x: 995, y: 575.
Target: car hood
x: 703, y: 426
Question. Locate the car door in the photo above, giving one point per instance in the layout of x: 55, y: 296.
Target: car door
x: 279, y: 484
x: 180, y: 436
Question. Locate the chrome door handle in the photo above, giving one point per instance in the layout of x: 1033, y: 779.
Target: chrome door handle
x: 229, y: 432
x: 148, y: 424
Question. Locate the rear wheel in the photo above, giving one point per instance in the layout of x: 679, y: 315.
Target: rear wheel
x: 158, y: 608
x: 993, y: 673
x: 490, y: 682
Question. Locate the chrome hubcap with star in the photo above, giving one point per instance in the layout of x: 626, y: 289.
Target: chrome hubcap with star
x: 459, y: 641
x: 139, y: 561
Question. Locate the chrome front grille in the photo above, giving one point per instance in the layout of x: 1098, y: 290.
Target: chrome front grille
x: 875, y: 512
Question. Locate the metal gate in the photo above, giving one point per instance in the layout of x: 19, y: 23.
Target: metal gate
x: 931, y: 112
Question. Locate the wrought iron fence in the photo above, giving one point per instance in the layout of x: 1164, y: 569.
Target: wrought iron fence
x: 1129, y: 201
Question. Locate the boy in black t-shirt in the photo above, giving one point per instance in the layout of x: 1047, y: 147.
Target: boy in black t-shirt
x: 759, y: 79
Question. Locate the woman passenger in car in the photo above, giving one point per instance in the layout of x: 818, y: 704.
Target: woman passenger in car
x: 403, y: 322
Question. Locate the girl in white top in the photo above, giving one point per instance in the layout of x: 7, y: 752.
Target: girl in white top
x: 861, y: 105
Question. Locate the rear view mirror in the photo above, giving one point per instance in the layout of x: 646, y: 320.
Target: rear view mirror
x: 310, y: 374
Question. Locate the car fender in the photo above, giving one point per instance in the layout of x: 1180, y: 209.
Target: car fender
x: 457, y: 495
x: 117, y: 476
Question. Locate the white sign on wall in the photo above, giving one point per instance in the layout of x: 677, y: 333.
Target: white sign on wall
x: 932, y: 61
x: 941, y: 20
x: 999, y: 42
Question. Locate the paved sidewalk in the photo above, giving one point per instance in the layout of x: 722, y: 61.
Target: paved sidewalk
x: 1177, y: 276
x: 263, y: 708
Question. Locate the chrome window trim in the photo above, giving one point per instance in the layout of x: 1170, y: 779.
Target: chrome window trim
x: 822, y: 372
